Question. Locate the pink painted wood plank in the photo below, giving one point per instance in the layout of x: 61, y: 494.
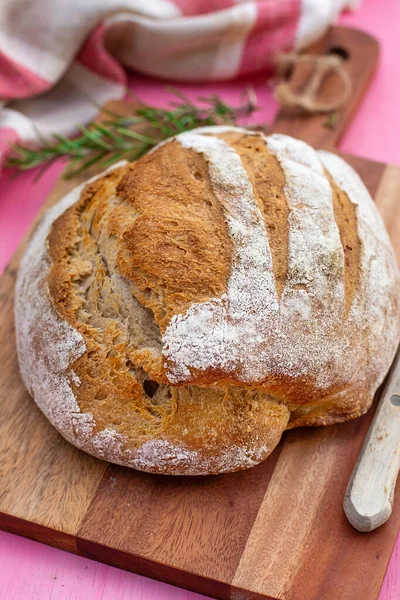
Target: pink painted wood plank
x: 375, y: 131
x: 33, y: 571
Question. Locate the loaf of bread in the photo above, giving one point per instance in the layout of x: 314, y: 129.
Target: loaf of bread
x: 177, y: 314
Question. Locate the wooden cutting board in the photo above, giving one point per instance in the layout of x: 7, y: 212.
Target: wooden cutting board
x: 275, y: 531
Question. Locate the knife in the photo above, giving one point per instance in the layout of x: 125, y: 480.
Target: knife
x: 369, y: 497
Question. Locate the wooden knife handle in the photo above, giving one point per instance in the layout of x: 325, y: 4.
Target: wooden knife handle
x: 369, y: 496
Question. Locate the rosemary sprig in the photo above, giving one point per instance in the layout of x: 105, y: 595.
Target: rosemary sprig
x: 119, y: 137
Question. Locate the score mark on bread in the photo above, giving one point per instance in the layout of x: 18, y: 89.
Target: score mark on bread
x: 180, y: 312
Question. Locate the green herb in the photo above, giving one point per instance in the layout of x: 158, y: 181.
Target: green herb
x: 128, y: 137
x: 332, y: 120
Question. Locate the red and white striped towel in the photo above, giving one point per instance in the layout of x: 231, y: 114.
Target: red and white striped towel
x: 57, y: 56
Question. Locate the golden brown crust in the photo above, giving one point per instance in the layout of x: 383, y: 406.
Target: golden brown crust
x: 143, y: 245
x: 178, y: 245
x: 346, y: 219
x: 116, y: 383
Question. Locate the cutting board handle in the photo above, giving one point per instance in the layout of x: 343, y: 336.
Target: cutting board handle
x: 370, y: 494
x: 360, y: 54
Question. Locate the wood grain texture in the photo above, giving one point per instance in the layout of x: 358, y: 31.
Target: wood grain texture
x: 295, y: 543
x: 275, y: 531
x: 198, y: 525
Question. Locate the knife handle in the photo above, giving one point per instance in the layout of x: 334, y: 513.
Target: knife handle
x: 370, y: 493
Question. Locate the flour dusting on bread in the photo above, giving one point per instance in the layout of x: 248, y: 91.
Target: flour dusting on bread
x: 177, y: 459
x: 373, y: 306
x: 304, y: 334
x: 136, y: 366
x: 214, y: 331
x: 45, y: 363
x: 44, y: 369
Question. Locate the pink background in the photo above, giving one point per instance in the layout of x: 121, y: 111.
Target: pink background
x: 30, y: 570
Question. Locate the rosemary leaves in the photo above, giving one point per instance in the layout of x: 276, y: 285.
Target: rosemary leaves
x: 119, y: 137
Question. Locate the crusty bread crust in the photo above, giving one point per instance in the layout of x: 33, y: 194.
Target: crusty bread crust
x: 176, y: 315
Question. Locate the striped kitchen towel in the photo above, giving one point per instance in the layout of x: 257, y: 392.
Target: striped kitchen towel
x: 56, y: 57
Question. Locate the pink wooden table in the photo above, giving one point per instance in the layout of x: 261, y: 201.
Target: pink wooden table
x: 29, y: 570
